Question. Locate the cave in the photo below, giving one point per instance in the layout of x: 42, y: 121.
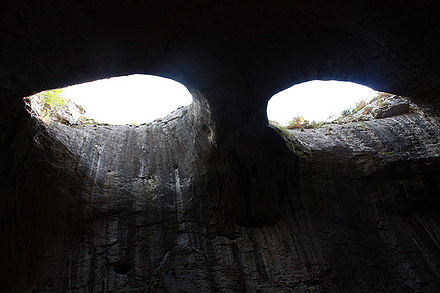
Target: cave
x: 212, y: 198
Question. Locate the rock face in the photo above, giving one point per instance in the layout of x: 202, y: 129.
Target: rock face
x: 382, y: 106
x: 68, y: 113
x: 364, y: 180
x: 212, y: 198
x: 155, y: 207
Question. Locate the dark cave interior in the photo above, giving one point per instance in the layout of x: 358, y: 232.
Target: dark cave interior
x: 212, y: 198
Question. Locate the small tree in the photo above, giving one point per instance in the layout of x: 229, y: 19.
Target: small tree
x: 296, y: 122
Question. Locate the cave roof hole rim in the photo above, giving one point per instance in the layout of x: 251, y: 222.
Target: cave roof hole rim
x: 282, y: 101
x: 97, y: 93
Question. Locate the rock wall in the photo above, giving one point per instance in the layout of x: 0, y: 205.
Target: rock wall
x: 161, y: 207
x: 220, y: 201
x: 371, y: 194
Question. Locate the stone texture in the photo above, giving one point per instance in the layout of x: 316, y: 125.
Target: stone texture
x: 394, y: 110
x: 359, y: 211
x: 212, y: 198
x: 67, y: 113
x: 382, y: 106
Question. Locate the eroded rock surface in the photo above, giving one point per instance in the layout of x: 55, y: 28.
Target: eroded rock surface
x: 220, y: 202
x: 382, y: 106
x: 359, y: 211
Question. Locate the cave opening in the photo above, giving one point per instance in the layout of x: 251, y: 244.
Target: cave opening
x: 316, y: 104
x: 318, y: 101
x: 220, y: 200
x: 125, y: 100
x: 104, y: 127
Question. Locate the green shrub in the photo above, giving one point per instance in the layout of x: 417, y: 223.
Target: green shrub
x: 346, y: 112
x: 300, y: 122
x: 297, y: 122
x: 53, y: 99
x: 51, y: 102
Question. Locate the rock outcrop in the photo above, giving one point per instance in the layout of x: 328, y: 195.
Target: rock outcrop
x: 382, y: 106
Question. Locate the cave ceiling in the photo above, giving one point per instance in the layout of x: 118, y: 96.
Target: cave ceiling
x: 237, y: 54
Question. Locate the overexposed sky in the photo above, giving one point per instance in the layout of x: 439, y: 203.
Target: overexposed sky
x: 316, y: 100
x: 143, y: 98
x: 134, y: 98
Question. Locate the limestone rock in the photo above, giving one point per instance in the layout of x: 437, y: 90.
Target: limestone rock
x: 393, y: 110
x: 155, y: 208
x: 215, y: 195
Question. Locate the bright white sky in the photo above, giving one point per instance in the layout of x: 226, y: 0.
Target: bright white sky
x: 316, y: 100
x: 134, y: 98
x: 143, y: 98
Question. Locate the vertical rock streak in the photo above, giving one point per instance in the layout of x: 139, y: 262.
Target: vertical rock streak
x: 356, y: 209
